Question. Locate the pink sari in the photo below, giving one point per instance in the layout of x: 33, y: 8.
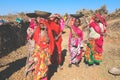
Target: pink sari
x: 103, y: 21
x: 98, y: 42
x: 30, y: 30
x: 74, y: 45
x: 62, y: 24
x: 94, y: 48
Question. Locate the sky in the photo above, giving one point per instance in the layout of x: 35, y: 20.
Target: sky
x: 54, y: 6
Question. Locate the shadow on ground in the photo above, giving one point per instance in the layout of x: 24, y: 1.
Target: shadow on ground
x: 12, y: 68
x: 53, y: 67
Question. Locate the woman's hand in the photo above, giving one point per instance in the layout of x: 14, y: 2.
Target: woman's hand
x: 56, y: 38
x: 86, y: 41
x: 104, y: 34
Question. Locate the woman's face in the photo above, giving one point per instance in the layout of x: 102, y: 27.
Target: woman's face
x: 43, y: 27
x: 38, y: 19
x: 57, y: 20
x: 97, y: 19
x: 77, y: 22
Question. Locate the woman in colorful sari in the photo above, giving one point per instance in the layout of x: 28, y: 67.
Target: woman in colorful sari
x: 31, y: 28
x: 57, y: 33
x: 30, y: 44
x: 44, y: 45
x: 75, y: 43
x: 93, y: 54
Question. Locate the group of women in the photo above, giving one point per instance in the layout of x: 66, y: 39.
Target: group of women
x: 45, y: 39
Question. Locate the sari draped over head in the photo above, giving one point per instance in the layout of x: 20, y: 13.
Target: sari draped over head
x: 75, y: 44
x: 32, y: 23
x: 36, y: 34
x: 77, y: 31
x: 57, y: 28
x: 31, y: 43
x: 94, y: 48
x: 42, y: 51
x: 56, y: 31
x: 99, y: 41
x: 31, y: 28
x: 62, y: 22
x: 102, y: 20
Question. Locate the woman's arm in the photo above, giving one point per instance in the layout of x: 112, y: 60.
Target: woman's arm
x: 56, y: 38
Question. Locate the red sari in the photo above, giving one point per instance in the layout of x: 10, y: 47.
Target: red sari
x: 56, y: 29
x: 42, y: 52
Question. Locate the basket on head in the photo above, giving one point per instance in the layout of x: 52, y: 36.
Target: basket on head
x: 77, y: 16
x: 31, y: 15
x: 42, y: 14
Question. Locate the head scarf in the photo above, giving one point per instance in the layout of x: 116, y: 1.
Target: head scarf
x: 32, y: 23
x: 53, y: 17
x: 102, y: 19
x: 77, y: 31
x: 36, y: 34
x: 61, y: 23
x: 56, y: 15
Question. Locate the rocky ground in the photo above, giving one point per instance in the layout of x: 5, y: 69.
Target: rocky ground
x: 14, y: 62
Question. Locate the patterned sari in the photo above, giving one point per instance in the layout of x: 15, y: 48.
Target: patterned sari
x: 74, y: 45
x: 30, y: 44
x: 42, y: 51
x: 94, y: 48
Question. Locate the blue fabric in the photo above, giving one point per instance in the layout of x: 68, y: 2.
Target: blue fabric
x: 19, y: 20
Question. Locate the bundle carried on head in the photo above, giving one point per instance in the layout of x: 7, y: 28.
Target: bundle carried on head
x: 31, y: 15
x: 37, y: 13
x: 73, y: 17
x: 42, y: 14
x: 77, y: 16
